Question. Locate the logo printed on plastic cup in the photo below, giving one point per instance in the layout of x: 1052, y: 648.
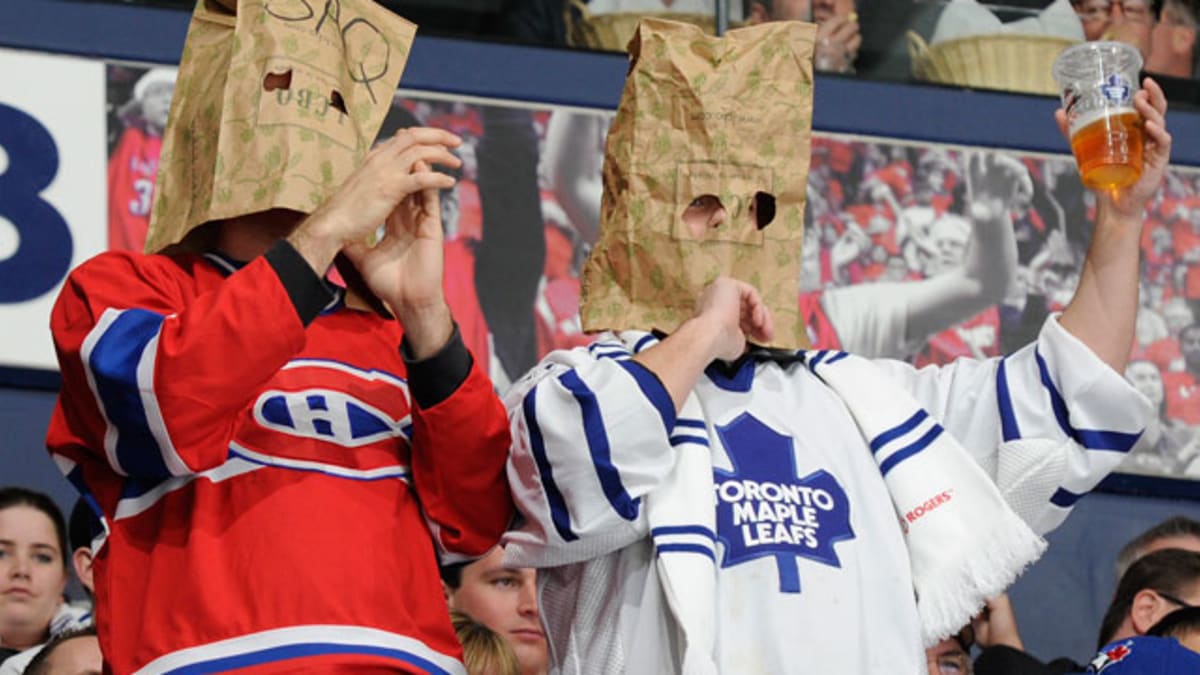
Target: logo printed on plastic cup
x: 1117, y: 90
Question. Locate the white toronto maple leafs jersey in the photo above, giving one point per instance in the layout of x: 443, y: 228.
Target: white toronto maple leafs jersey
x: 812, y: 570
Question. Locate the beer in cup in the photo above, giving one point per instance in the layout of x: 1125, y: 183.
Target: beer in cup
x: 1098, y: 81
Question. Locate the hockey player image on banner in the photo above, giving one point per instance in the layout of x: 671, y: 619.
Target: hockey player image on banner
x: 281, y: 463
x: 133, y: 161
x: 703, y: 494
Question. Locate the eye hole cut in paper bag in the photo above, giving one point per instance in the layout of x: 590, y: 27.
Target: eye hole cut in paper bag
x: 707, y: 127
x: 276, y: 104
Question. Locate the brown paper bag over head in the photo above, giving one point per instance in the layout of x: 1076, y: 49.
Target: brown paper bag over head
x: 705, y: 172
x: 276, y: 104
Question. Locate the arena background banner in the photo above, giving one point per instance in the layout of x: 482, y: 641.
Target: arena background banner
x: 52, y: 191
x: 883, y: 230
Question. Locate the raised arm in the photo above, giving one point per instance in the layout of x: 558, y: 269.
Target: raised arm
x: 1103, y: 311
x: 995, y: 183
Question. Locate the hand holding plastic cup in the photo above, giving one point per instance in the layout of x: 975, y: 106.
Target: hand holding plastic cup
x: 1098, y: 81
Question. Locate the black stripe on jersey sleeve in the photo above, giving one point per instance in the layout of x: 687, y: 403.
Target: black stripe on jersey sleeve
x: 433, y: 379
x: 307, y: 291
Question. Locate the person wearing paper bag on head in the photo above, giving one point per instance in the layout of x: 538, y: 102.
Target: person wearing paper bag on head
x: 700, y: 493
x: 280, y: 464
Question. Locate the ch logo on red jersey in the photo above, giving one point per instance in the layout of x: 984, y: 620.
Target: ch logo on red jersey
x: 336, y: 403
x: 325, y: 415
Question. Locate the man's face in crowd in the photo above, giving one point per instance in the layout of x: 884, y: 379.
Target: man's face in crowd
x: 1123, y: 20
x: 951, y: 236
x: 77, y: 656
x: 1177, y: 314
x: 1144, y: 376
x: 948, y: 658
x: 1189, y: 344
x: 815, y: 11
x: 504, y: 600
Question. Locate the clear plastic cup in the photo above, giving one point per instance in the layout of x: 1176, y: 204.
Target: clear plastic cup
x: 1098, y: 81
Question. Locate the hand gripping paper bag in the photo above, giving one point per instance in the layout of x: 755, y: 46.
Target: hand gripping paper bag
x: 704, y: 124
x: 276, y: 104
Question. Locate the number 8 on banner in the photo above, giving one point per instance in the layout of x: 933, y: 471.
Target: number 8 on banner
x: 44, y: 245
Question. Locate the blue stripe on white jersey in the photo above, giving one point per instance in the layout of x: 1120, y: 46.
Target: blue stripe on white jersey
x: 690, y: 431
x: 298, y: 642
x: 119, y: 358
x: 695, y: 539
x: 559, y: 514
x: 654, y: 392
x: 1009, y: 428
x: 1065, y: 498
x: 643, y: 342
x: 1092, y: 439
x: 598, y: 447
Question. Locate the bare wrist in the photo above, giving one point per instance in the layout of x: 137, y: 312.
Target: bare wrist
x: 427, y: 328
x: 703, y: 333
x: 313, y: 240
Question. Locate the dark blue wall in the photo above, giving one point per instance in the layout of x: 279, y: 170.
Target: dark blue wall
x: 24, y: 417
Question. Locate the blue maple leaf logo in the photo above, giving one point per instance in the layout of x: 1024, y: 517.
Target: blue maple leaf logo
x: 764, y: 509
x: 1116, y: 89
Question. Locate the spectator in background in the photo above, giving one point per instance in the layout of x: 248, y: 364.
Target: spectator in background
x: 505, y: 601
x: 1183, y: 388
x: 74, y: 652
x: 1164, y: 447
x: 838, y: 37
x: 484, y: 651
x: 1179, y: 532
x: 1129, y: 21
x: 1173, y: 40
x: 1152, y: 587
x: 33, y: 573
x: 133, y: 165
x: 1169, y: 647
x: 83, y: 527
x: 996, y: 628
x: 951, y: 656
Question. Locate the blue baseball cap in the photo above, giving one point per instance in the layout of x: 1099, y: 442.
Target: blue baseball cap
x: 1144, y: 655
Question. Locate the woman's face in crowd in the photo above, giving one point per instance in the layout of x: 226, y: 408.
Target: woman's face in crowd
x: 32, y: 573
x: 504, y: 600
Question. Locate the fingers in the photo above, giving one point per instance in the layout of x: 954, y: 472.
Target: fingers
x: 756, y: 320
x: 1158, y: 99
x: 429, y: 155
x: 426, y: 180
x: 406, y: 138
x: 1151, y: 104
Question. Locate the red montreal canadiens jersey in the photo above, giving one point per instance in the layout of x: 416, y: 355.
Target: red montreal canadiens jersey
x: 275, y: 499
x: 131, y: 173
